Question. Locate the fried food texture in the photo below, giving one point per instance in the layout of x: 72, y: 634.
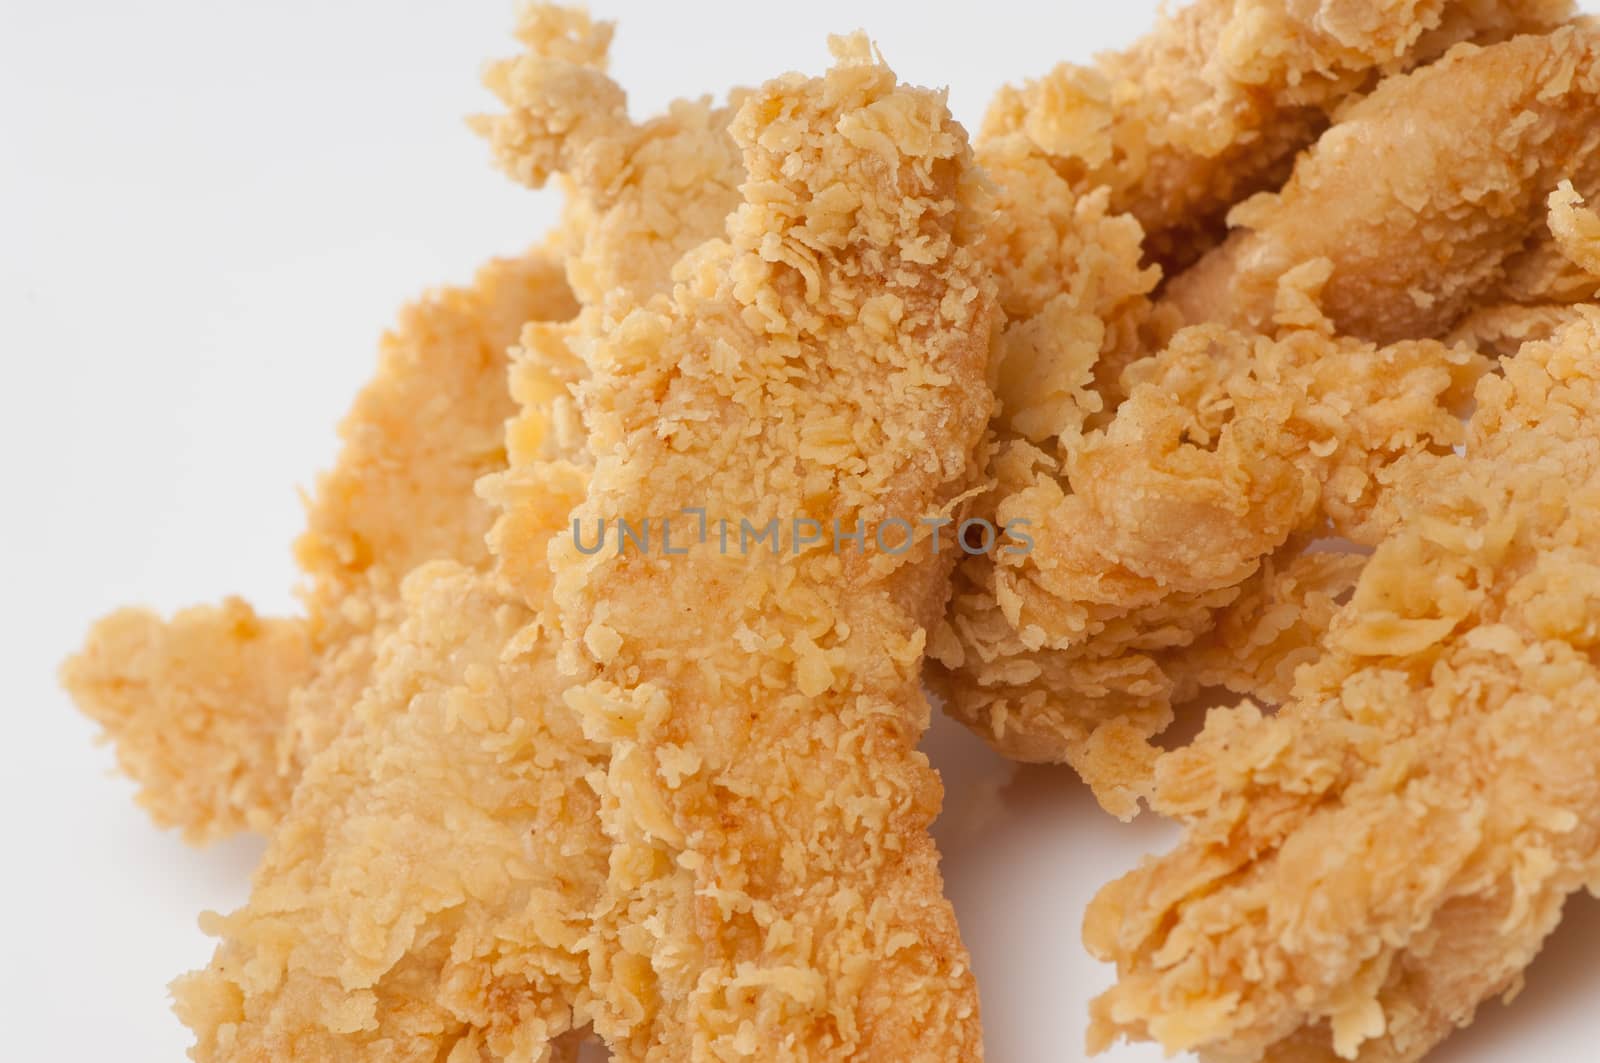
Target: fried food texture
x: 215, y: 712
x: 638, y: 197
x: 1420, y: 201
x: 773, y: 891
x: 426, y: 896
x: 1212, y: 104
x: 1360, y: 871
x: 1230, y: 452
x: 1275, y: 337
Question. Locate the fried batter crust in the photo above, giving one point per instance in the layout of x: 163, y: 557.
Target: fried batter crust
x: 773, y: 892
x: 403, y: 912
x: 638, y: 197
x: 1145, y: 536
x: 1211, y: 106
x: 1363, y: 869
x: 426, y: 896
x: 1419, y: 199
x: 215, y: 712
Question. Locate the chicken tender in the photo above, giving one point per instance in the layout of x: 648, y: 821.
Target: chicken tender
x: 639, y: 196
x: 1076, y: 299
x: 774, y: 892
x: 1228, y: 447
x: 215, y: 712
x: 426, y: 897
x: 1212, y: 105
x: 1416, y: 202
x: 1362, y: 870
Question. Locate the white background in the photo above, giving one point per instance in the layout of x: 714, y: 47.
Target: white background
x: 208, y: 212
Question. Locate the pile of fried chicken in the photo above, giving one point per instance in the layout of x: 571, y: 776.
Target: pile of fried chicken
x: 1279, y: 331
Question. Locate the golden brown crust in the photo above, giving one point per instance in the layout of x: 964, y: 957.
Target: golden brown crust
x: 1362, y: 870
x: 426, y: 895
x: 1216, y: 98
x: 773, y: 891
x: 418, y: 439
x: 215, y: 712
x: 195, y: 707
x: 1419, y: 197
x: 1148, y: 532
x: 639, y: 196
x: 1212, y: 105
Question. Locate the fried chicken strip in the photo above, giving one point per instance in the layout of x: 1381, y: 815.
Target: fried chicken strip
x: 1544, y: 285
x: 1363, y: 869
x: 426, y: 896
x: 1145, y: 535
x: 402, y: 913
x: 773, y: 892
x: 1079, y: 314
x: 215, y: 712
x: 1076, y: 299
x: 1417, y: 203
x: 639, y: 195
x: 1212, y: 105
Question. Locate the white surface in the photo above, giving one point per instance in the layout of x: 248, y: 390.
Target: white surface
x: 208, y: 211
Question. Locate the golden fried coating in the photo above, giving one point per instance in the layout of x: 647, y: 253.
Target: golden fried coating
x: 1063, y: 158
x: 664, y: 791
x: 426, y: 896
x: 639, y: 195
x: 1075, y: 297
x: 467, y: 940
x: 1253, y: 646
x: 773, y: 892
x: 1416, y: 202
x: 1212, y: 105
x: 1500, y: 330
x: 1545, y: 273
x: 1576, y: 229
x: 1151, y: 529
x: 1543, y: 285
x: 215, y: 712
x: 195, y: 706
x: 403, y: 493
x: 201, y: 710
x: 1363, y: 869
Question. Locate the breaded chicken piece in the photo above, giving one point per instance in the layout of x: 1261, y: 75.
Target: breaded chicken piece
x: 1416, y: 201
x: 426, y: 896
x: 195, y: 707
x: 1075, y: 296
x: 215, y: 712
x: 1544, y: 285
x: 469, y: 941
x: 1363, y: 869
x: 404, y: 490
x: 1145, y: 535
x: 1079, y: 314
x: 1499, y: 331
x: 200, y: 708
x: 1213, y: 103
x: 639, y: 195
x: 774, y: 893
